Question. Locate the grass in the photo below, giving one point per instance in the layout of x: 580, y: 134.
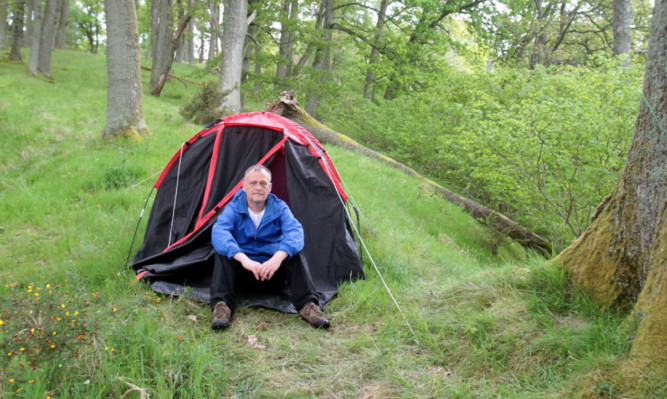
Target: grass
x: 485, y: 325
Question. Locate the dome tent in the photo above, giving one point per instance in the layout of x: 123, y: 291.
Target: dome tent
x: 176, y: 256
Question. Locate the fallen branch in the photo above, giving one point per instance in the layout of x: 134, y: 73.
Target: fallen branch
x: 182, y: 80
x: 133, y: 388
x: 288, y: 107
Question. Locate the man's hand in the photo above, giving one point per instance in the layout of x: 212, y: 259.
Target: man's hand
x: 262, y: 271
x: 268, y: 268
x: 249, y: 264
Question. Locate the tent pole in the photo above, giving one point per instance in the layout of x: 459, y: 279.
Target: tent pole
x: 129, y: 252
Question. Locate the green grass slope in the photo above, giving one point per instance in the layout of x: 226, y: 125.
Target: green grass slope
x: 74, y: 324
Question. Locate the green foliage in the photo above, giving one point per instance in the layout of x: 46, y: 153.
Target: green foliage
x: 205, y: 105
x: 539, y: 145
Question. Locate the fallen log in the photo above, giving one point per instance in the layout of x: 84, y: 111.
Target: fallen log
x: 288, y: 107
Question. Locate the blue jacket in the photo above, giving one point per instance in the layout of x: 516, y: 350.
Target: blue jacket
x: 235, y: 232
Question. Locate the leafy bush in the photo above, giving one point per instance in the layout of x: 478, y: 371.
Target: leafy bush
x: 543, y: 146
x: 205, y: 105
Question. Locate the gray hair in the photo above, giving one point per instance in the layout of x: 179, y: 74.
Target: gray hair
x: 258, y: 167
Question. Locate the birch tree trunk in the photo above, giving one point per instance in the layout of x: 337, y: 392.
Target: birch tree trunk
x: 125, y: 114
x: 235, y: 27
x: 621, y: 259
x: 47, y: 36
x: 62, y: 24
x: 17, y: 31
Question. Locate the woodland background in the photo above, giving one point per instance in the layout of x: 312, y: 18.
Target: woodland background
x: 532, y: 108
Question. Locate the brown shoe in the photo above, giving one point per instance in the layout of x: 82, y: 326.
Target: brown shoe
x: 313, y: 315
x: 222, y: 315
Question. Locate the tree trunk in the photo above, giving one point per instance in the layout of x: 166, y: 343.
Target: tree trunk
x: 235, y: 27
x: 286, y: 45
x: 4, y: 27
x: 322, y: 62
x: 621, y: 258
x: 36, y: 28
x: 214, y: 7
x: 125, y: 114
x: 622, y: 27
x: 29, y: 21
x: 166, y: 49
x: 155, y: 27
x: 289, y: 108
x: 47, y: 36
x: 17, y: 30
x: 62, y: 24
x: 191, y: 38
x: 163, y: 53
x: 375, y: 52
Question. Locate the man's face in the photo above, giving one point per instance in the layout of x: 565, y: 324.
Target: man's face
x: 257, y: 186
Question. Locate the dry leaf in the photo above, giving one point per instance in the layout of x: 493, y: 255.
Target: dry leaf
x: 192, y: 318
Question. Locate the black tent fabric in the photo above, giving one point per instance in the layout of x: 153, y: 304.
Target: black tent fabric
x: 176, y: 256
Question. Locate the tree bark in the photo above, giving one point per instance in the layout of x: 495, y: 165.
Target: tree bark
x: 621, y: 258
x: 29, y: 21
x: 163, y: 59
x: 288, y: 107
x: 322, y: 62
x: 622, y: 27
x: 214, y: 7
x: 4, y: 27
x: 125, y: 115
x: 235, y: 27
x: 36, y: 29
x: 286, y: 46
x: 190, y: 46
x: 17, y: 31
x: 47, y: 36
x: 162, y: 51
x: 375, y: 52
x: 62, y: 24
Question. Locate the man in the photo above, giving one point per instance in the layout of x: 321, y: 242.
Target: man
x: 257, y: 239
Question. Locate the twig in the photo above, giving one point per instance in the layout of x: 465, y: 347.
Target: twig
x: 133, y: 388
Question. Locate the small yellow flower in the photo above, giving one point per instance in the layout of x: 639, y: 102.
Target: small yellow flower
x: 48, y: 286
x: 32, y: 330
x: 2, y: 323
x: 113, y: 309
x: 52, y: 346
x: 11, y: 380
x: 76, y: 313
x: 36, y: 293
x: 54, y: 333
x: 10, y: 353
x: 62, y: 305
x: 106, y: 348
x: 22, y: 349
x: 67, y: 314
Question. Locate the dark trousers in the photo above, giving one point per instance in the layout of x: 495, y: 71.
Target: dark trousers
x: 228, y: 275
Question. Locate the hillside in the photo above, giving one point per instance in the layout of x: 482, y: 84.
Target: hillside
x: 75, y: 324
